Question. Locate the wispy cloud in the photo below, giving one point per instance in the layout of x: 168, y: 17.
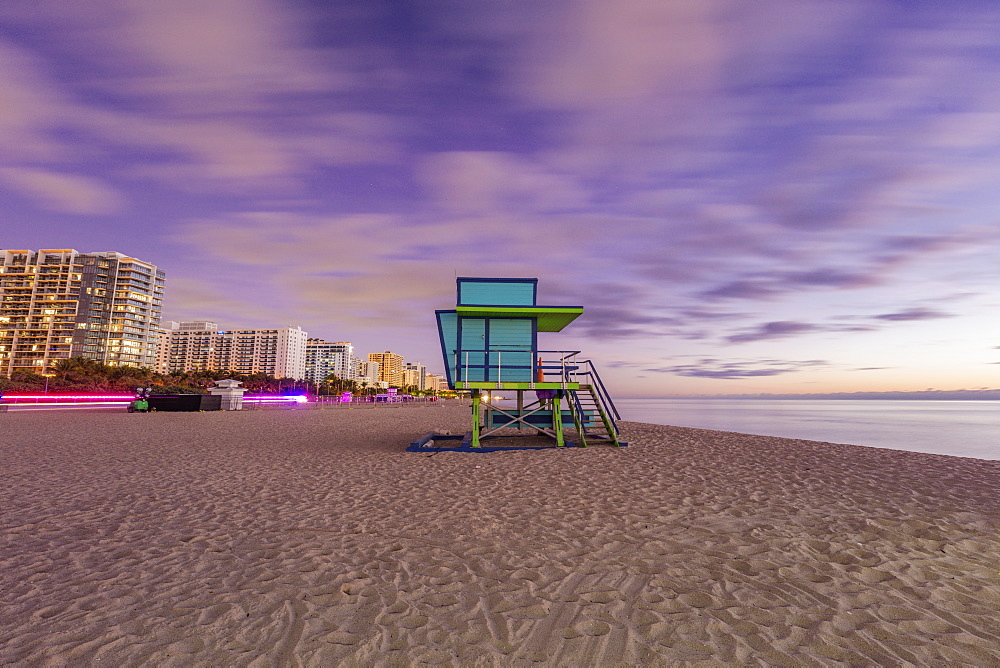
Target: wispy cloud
x: 773, y: 330
x: 731, y: 370
x: 913, y: 314
x: 64, y: 193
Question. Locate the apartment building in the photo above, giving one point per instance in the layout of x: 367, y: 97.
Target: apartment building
x: 390, y: 367
x: 61, y: 303
x: 436, y: 382
x: 415, y: 375
x: 325, y: 357
x: 200, y: 345
x: 164, y: 340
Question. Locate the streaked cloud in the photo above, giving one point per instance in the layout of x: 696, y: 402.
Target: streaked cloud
x: 718, y: 369
x: 773, y: 330
x: 64, y: 193
x: 914, y: 314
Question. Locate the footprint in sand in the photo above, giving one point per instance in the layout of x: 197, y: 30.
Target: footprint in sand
x: 895, y: 613
x: 212, y: 614
x: 435, y: 657
x: 413, y: 621
x: 698, y: 599
x: 341, y: 638
x: 440, y: 600
x: 600, y: 596
x: 590, y: 627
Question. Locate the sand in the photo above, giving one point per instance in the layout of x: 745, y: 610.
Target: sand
x: 310, y: 537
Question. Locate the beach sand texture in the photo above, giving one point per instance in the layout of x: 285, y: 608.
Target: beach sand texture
x: 310, y: 537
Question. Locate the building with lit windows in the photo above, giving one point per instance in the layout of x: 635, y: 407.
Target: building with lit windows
x: 60, y: 303
x: 201, y: 346
x: 324, y: 358
x: 415, y: 375
x: 368, y: 376
x: 436, y: 382
x: 390, y: 367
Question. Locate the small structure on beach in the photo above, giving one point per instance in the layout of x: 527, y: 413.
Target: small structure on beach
x: 230, y: 392
x: 489, y: 342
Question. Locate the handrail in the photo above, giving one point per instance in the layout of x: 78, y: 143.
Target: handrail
x: 603, y: 391
x: 568, y: 367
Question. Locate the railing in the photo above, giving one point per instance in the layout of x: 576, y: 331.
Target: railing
x: 585, y: 373
x: 560, y: 363
x: 601, y: 391
x: 471, y: 363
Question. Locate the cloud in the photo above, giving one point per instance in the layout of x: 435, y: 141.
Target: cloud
x: 731, y: 370
x: 607, y: 55
x: 487, y: 182
x: 773, y: 330
x: 32, y: 105
x: 64, y: 193
x: 228, y: 95
x: 867, y: 262
x: 367, y: 268
x: 744, y: 289
x: 913, y: 314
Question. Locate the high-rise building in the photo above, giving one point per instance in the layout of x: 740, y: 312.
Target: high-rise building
x: 162, y: 363
x: 390, y: 367
x: 198, y: 346
x: 324, y: 358
x: 369, y: 375
x: 60, y: 303
x: 415, y: 374
x: 436, y: 382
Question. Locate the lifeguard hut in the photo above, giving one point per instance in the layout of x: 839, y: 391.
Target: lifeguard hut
x: 490, y: 344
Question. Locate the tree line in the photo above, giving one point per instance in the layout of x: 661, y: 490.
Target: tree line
x: 81, y: 374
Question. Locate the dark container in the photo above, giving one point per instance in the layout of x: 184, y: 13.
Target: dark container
x: 186, y: 402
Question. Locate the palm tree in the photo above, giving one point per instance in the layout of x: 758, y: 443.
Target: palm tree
x: 63, y: 368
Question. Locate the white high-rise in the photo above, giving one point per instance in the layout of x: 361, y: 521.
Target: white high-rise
x: 201, y: 345
x: 324, y: 358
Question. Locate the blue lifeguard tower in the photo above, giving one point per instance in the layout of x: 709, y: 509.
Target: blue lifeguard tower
x: 490, y: 343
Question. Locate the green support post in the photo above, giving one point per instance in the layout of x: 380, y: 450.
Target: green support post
x: 476, y: 399
x: 557, y: 420
x: 577, y: 424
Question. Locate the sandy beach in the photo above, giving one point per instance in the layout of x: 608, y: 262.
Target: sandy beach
x: 310, y: 537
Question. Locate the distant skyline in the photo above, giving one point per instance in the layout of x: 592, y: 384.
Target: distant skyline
x: 784, y: 196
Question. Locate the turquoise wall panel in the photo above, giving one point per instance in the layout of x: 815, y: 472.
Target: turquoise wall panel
x: 472, y: 356
x: 496, y: 293
x: 448, y: 331
x: 473, y: 334
x: 513, y: 333
x: 514, y: 367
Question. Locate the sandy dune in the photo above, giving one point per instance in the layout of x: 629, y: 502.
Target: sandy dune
x: 309, y: 537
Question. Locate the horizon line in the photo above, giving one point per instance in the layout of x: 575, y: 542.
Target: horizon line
x: 985, y: 394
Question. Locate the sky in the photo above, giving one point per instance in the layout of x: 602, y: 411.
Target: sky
x: 781, y: 196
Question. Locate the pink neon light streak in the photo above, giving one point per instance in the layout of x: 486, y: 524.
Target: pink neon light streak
x: 57, y: 397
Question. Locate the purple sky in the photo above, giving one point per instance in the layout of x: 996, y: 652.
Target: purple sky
x: 775, y: 196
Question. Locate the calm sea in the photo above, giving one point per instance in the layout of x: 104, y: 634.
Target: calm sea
x: 961, y: 428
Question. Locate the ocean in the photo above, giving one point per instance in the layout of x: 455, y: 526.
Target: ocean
x: 959, y: 428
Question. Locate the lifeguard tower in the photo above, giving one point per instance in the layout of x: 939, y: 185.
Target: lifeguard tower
x: 490, y: 344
